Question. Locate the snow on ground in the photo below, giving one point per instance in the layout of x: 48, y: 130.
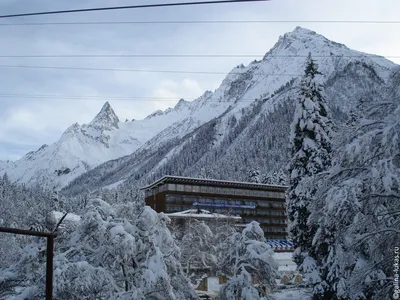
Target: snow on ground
x: 213, y: 285
x: 284, y: 259
x: 295, y: 294
x: 283, y: 255
x: 287, y: 268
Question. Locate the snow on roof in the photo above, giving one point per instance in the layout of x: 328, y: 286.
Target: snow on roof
x: 213, y: 181
x: 200, y: 213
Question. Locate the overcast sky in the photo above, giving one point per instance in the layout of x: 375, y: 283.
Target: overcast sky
x: 27, y: 122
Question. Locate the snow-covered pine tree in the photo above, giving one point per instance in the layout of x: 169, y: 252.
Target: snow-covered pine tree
x: 310, y: 154
x: 358, y: 219
x: 254, y: 176
x: 268, y: 178
x: 248, y: 260
x: 275, y: 177
x: 281, y: 178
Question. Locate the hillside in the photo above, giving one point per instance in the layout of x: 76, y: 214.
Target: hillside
x: 247, y: 117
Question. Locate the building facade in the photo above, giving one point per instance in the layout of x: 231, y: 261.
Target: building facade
x: 251, y: 201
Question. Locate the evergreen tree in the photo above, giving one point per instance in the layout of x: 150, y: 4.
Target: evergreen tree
x: 268, y: 178
x: 281, y: 178
x: 357, y: 215
x: 254, y: 176
x: 275, y: 177
x: 310, y: 154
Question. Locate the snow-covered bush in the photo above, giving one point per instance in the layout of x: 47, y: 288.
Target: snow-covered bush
x: 248, y: 260
x: 105, y: 258
x: 197, y: 247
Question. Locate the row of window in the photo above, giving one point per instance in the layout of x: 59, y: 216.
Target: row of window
x: 277, y: 237
x: 260, y: 212
x: 268, y: 213
x: 213, y: 190
x: 267, y: 221
x: 208, y: 201
x: 273, y: 229
x: 270, y: 204
x: 213, y: 200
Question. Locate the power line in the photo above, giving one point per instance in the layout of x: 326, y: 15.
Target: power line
x: 127, y: 55
x: 202, y: 22
x: 94, y: 97
x: 105, y: 98
x: 181, y: 56
x: 137, y: 70
x: 127, y: 7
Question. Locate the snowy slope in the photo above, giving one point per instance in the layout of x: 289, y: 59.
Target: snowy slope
x: 82, y: 147
x: 260, y: 79
x: 242, y: 132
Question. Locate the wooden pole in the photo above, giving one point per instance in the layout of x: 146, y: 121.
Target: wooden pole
x: 26, y: 232
x: 50, y: 253
x: 49, y: 268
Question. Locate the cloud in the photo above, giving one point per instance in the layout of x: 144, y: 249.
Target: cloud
x: 168, y: 93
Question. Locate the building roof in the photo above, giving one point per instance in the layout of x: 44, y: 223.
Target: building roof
x: 214, y: 182
x: 201, y: 214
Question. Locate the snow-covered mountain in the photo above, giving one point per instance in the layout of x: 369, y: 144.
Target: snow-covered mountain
x: 248, y: 115
x: 82, y: 147
x: 247, y: 97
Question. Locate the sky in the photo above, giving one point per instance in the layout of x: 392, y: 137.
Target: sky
x: 38, y: 104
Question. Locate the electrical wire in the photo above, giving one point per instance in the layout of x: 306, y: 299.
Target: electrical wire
x: 109, y: 98
x: 182, y: 56
x: 175, y: 4
x: 202, y: 22
x: 137, y: 70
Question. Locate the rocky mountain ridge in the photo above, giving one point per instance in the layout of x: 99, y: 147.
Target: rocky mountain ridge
x: 252, y: 132
x: 248, y: 97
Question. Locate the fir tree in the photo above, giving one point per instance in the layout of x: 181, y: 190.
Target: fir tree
x: 357, y: 215
x: 281, y: 178
x: 254, y: 176
x: 310, y: 152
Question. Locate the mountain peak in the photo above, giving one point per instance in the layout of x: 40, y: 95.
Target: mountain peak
x: 302, y: 41
x: 182, y: 103
x: 106, y: 118
x: 302, y: 30
x: 301, y: 33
